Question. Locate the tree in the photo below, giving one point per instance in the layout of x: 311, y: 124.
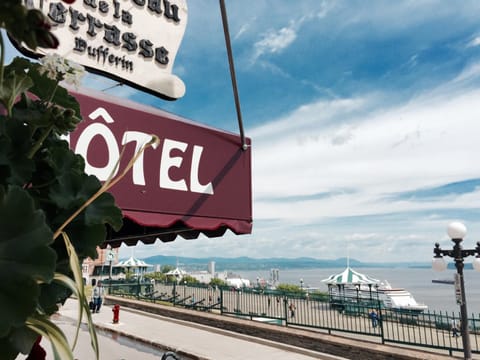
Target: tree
x: 129, y: 274
x: 217, y: 282
x: 166, y: 268
x: 157, y: 275
x: 171, y: 279
x: 289, y: 288
x: 189, y: 280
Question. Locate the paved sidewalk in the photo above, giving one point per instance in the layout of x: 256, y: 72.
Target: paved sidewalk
x: 196, y: 341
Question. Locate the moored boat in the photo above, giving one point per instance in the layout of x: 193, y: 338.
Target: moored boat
x: 443, y: 281
x: 351, y: 285
x: 398, y: 298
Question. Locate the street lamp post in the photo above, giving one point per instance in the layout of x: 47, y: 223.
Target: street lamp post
x: 457, y: 231
x: 301, y: 284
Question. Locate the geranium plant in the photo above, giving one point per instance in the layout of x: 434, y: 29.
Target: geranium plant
x: 52, y: 214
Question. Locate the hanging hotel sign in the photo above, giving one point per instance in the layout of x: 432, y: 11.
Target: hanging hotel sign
x: 132, y: 41
x: 195, y: 176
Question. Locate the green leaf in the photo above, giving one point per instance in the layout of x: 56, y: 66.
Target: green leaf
x: 24, y: 255
x: 51, y: 295
x: 19, y: 66
x: 69, y: 283
x: 26, y: 25
x: 75, y: 285
x: 33, y: 113
x: 73, y: 190
x: 12, y: 86
x: 9, y: 351
x: 104, y: 211
x: 14, y: 144
x: 79, y: 290
x: 86, y: 238
x: 18, y: 300
x: 23, y: 338
x: 57, y: 338
x: 63, y: 160
x: 45, y: 87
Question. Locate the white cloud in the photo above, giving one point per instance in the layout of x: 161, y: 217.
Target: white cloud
x: 326, y: 176
x: 400, y: 148
x: 320, y: 114
x: 274, y: 42
x: 362, y: 151
x: 244, y: 28
x: 343, y: 135
x: 471, y: 72
x: 474, y: 42
x: 324, y: 9
x: 361, y: 236
x: 427, y: 142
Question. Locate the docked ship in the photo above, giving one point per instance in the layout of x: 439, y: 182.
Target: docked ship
x: 397, y: 298
x: 350, y: 285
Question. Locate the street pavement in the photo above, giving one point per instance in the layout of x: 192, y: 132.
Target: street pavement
x: 145, y: 336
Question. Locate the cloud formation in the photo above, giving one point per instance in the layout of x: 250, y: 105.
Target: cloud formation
x: 364, y: 120
x: 274, y: 42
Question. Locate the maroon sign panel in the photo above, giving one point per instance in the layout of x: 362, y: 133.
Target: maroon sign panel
x: 195, y: 180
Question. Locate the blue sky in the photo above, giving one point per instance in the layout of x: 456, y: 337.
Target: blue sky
x: 364, y: 119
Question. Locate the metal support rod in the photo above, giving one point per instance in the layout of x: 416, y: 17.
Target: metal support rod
x: 232, y: 73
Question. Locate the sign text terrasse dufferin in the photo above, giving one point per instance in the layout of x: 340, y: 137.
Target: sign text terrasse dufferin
x: 134, y: 42
x: 112, y: 35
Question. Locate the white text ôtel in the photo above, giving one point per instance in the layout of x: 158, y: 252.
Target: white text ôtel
x: 167, y: 161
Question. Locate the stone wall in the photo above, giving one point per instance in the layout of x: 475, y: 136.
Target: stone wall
x: 312, y: 340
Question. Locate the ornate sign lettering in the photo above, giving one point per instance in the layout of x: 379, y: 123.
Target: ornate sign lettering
x: 168, y: 161
x: 132, y: 41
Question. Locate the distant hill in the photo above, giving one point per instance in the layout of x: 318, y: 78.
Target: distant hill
x: 247, y: 263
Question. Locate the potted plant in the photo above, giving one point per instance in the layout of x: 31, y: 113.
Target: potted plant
x: 52, y: 214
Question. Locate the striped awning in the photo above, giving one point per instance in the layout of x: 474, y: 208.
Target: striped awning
x: 133, y: 262
x: 350, y: 276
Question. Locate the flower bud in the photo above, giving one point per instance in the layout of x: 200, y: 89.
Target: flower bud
x: 46, y: 39
x: 37, y: 20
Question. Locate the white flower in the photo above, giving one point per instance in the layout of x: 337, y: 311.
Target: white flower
x: 74, y: 74
x: 49, y: 66
x: 58, y: 68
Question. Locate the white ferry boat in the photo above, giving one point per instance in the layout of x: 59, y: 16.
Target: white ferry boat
x: 397, y: 298
x: 353, y: 285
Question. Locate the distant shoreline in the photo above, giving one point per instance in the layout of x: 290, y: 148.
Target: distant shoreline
x: 247, y: 264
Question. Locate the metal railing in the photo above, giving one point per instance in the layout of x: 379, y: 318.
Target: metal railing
x: 315, y: 311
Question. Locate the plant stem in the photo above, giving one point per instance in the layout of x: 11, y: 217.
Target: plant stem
x: 39, y: 142
x: 53, y: 92
x: 107, y: 185
x: 2, y: 58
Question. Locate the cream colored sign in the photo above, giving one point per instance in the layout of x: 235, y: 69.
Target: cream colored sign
x: 133, y: 41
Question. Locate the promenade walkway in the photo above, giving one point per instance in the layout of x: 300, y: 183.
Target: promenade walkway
x: 355, y: 347
x: 193, y: 341
x: 428, y: 331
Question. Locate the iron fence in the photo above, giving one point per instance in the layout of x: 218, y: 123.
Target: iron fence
x: 315, y: 311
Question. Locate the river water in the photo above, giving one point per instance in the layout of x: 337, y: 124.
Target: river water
x: 438, y: 297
